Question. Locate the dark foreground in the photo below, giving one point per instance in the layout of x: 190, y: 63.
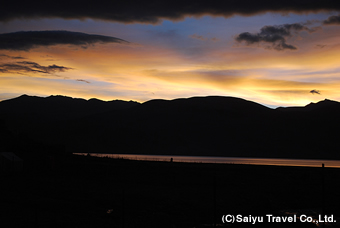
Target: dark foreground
x: 101, y: 192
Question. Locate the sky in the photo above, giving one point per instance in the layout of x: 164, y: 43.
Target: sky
x: 272, y: 53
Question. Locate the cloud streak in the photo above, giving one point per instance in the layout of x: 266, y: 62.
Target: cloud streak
x: 332, y: 20
x: 31, y: 67
x: 25, y: 41
x: 202, y: 38
x: 131, y: 11
x: 82, y: 80
x: 11, y: 57
x: 274, y: 36
x: 314, y: 91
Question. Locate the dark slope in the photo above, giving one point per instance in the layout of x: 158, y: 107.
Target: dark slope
x: 312, y: 130
x: 223, y: 126
x: 325, y: 106
x: 60, y: 106
x: 194, y: 126
x: 30, y: 111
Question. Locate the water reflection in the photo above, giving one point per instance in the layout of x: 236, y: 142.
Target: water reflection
x: 230, y: 160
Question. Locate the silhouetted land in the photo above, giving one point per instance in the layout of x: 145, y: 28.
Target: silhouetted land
x: 211, y: 126
x: 58, y: 189
x: 78, y: 191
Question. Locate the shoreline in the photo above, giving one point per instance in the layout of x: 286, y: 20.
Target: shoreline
x: 222, y: 160
x: 102, y: 192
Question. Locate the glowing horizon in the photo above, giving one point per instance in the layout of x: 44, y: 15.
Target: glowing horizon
x: 205, y: 56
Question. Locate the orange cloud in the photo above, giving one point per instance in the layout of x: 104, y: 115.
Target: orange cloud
x: 143, y: 72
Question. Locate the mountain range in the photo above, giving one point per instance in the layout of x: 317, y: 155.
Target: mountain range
x: 201, y: 126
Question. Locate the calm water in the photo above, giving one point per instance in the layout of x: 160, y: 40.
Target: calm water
x: 230, y: 160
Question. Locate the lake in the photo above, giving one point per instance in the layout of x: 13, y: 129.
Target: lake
x: 227, y: 160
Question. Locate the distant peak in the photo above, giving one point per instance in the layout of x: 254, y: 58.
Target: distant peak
x: 95, y: 100
x: 58, y: 96
x: 327, y: 100
x: 326, y: 103
x: 25, y: 96
x: 323, y: 102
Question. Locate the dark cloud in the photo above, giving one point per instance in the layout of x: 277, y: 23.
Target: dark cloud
x: 11, y: 57
x: 314, y: 91
x: 31, y: 67
x: 332, y: 20
x: 151, y: 11
x: 31, y: 39
x: 82, y: 80
x: 274, y: 36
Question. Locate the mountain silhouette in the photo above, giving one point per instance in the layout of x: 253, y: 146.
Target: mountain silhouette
x: 209, y: 126
x: 59, y: 106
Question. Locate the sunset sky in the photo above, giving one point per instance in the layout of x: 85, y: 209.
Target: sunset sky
x: 271, y: 53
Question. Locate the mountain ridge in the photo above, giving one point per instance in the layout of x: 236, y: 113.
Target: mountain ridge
x: 209, y: 126
x: 26, y: 98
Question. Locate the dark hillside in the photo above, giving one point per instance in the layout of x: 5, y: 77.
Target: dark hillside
x: 212, y: 126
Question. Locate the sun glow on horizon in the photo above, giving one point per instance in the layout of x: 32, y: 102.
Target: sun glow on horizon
x: 180, y: 59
